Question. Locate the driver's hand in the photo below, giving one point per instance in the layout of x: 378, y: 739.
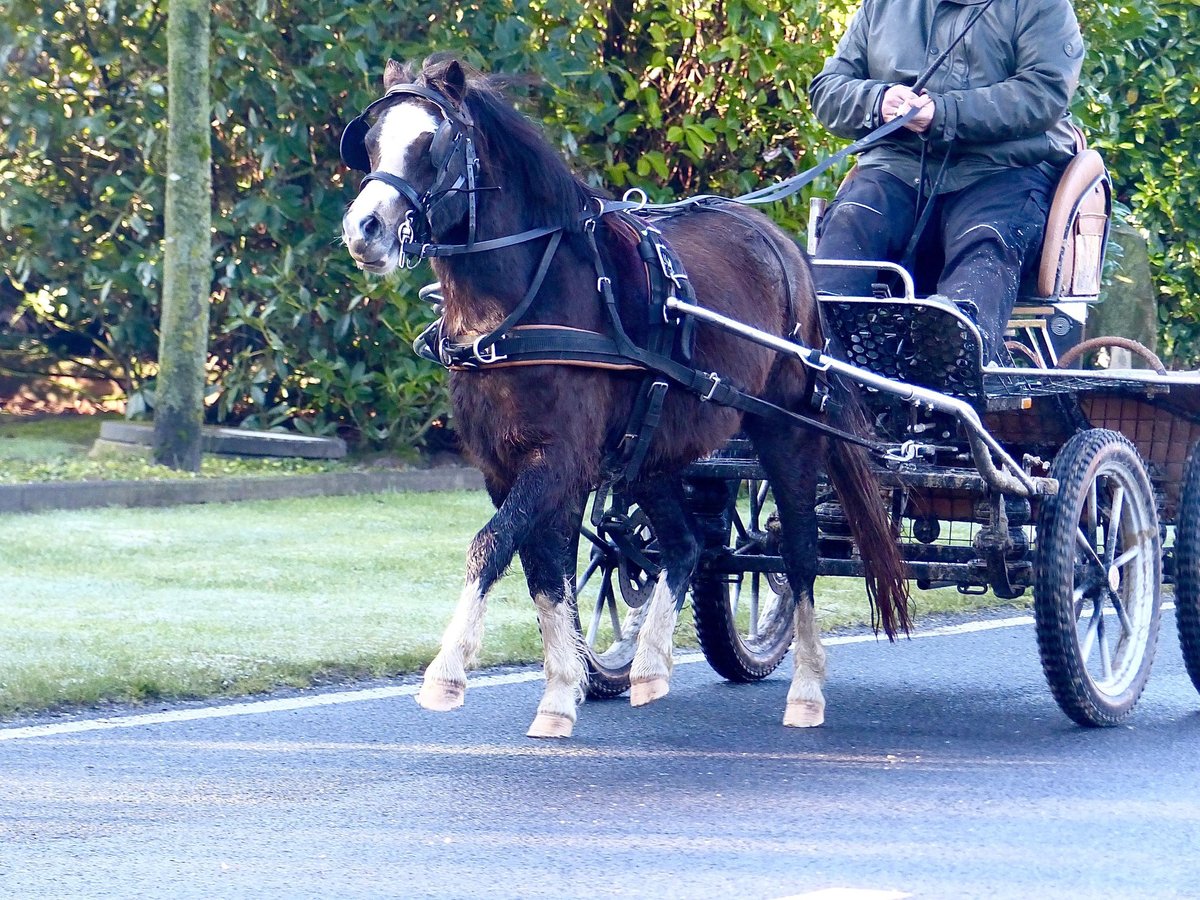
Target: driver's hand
x: 899, y: 99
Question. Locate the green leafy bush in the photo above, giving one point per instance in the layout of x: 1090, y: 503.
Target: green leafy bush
x: 299, y: 336
x: 671, y: 98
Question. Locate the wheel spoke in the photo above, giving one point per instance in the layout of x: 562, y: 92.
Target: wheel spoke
x: 1105, y: 653
x: 740, y: 527
x: 595, y: 539
x: 1089, y: 553
x: 592, y: 566
x: 614, y: 615
x: 737, y: 595
x: 1130, y: 554
x: 1122, y: 614
x: 1089, y: 637
x: 1084, y: 594
x: 1114, y: 522
x: 754, y: 594
x: 598, y: 611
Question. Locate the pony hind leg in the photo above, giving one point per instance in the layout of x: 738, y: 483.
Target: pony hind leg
x: 650, y: 673
x: 786, y: 454
x: 546, y: 559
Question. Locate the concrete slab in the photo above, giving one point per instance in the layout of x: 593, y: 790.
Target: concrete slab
x: 22, y: 498
x: 235, y: 441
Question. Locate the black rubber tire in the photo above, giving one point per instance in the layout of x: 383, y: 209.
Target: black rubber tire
x: 1109, y: 461
x: 608, y: 660
x: 735, y: 655
x: 1187, y: 566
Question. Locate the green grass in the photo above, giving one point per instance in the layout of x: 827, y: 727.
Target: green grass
x: 134, y: 605
x: 236, y: 598
x: 55, y: 448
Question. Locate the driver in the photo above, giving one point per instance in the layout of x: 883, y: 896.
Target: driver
x: 983, y: 153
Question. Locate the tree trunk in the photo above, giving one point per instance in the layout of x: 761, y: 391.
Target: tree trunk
x: 187, y: 250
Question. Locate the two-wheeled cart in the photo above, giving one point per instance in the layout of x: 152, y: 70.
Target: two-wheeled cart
x: 1080, y: 484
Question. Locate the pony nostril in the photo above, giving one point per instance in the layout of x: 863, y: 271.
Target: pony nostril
x: 371, y: 227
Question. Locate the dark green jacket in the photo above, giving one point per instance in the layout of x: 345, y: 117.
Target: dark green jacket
x: 1002, y: 95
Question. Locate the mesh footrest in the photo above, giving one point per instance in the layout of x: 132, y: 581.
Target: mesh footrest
x: 915, y: 341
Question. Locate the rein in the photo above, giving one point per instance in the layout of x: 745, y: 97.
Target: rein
x: 790, y: 186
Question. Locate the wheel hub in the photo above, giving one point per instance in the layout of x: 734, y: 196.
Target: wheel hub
x: 1114, y: 578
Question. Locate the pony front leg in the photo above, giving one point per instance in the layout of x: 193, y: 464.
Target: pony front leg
x: 566, y: 674
x: 546, y: 558
x: 650, y: 673
x: 492, y: 549
x: 805, y: 702
x: 445, y: 683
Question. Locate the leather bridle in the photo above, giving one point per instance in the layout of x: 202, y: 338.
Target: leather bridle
x: 451, y: 153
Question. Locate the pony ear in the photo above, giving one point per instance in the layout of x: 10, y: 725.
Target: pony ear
x: 454, y: 81
x: 395, y: 73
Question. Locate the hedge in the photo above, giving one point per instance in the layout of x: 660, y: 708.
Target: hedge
x: 698, y: 97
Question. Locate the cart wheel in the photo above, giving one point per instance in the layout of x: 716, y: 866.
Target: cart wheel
x: 1187, y: 566
x: 1098, y: 578
x: 607, y: 584
x: 744, y: 621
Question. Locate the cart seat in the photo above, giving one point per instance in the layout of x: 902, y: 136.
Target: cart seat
x: 1050, y: 314
x: 1076, y: 232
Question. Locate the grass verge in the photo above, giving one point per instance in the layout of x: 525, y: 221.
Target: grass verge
x: 133, y: 605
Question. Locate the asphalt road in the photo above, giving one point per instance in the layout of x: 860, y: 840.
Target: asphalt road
x: 945, y: 770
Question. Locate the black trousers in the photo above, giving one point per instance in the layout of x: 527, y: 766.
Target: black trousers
x: 978, y: 244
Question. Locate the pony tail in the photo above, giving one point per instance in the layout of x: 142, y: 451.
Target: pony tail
x: 859, y: 490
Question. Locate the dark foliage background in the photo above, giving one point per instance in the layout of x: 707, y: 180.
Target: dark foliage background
x: 703, y: 96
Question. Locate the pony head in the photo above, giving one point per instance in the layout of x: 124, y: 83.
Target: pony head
x: 415, y: 142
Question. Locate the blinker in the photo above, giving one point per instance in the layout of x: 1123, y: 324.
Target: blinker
x: 353, y: 146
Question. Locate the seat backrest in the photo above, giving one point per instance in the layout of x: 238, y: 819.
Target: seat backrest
x: 1076, y: 231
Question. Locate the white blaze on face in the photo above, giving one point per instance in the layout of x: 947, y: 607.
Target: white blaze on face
x: 399, y: 127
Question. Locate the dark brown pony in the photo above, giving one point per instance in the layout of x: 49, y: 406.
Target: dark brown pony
x: 540, y: 433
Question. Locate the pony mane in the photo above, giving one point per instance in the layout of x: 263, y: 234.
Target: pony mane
x: 514, y: 152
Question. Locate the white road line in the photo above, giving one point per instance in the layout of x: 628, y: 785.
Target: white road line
x: 308, y: 701
x: 848, y: 894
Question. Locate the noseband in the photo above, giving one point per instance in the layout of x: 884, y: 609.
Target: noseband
x: 452, y: 139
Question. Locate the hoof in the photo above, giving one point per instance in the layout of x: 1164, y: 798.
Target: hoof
x: 804, y: 714
x: 647, y: 691
x: 441, y: 696
x: 551, y: 725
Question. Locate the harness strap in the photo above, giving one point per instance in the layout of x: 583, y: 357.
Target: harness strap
x: 540, y: 344
x: 398, y: 184
x: 560, y: 345
x: 426, y: 250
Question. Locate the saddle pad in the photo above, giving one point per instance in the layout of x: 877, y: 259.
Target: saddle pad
x: 914, y: 341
